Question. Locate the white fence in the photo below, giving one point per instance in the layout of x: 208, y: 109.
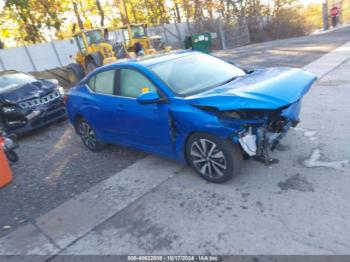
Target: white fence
x: 37, y: 57
x: 57, y: 53
x: 45, y: 56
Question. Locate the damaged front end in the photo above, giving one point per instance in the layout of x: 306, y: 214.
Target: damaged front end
x: 259, y: 131
x: 259, y: 108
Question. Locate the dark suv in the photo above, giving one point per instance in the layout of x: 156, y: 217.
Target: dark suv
x: 27, y: 103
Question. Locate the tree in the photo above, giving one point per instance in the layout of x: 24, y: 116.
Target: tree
x: 77, y: 15
x: 28, y: 21
x: 102, y: 14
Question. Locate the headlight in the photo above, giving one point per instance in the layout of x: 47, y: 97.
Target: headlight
x: 8, y: 109
x: 61, y: 90
x: 231, y: 114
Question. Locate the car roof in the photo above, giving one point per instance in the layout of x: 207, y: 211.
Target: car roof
x: 145, y: 61
x: 149, y: 60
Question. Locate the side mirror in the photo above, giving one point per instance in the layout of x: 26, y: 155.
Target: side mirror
x: 148, y: 98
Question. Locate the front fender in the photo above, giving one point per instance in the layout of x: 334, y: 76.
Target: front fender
x: 186, y: 120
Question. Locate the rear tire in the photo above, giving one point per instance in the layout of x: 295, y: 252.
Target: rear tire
x: 214, y: 159
x: 88, y: 136
x: 75, y: 73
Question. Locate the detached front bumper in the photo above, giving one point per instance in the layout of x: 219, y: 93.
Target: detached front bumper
x: 258, y: 140
x: 36, y: 118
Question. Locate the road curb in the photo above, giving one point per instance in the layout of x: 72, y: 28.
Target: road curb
x: 330, y: 61
x: 73, y: 219
x: 27, y: 240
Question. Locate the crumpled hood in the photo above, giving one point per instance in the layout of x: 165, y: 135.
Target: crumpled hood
x: 269, y: 88
x: 28, y: 91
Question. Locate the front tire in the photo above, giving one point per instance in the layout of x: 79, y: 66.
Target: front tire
x: 214, y: 159
x: 75, y: 73
x: 88, y: 136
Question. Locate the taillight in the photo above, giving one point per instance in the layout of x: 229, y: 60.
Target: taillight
x: 65, y: 99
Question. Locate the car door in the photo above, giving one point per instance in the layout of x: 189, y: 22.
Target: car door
x: 143, y: 125
x: 100, y: 104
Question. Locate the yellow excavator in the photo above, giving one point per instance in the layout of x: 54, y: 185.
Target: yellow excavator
x: 136, y: 39
x: 94, y: 51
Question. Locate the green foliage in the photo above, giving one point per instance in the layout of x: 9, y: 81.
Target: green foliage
x: 35, y: 21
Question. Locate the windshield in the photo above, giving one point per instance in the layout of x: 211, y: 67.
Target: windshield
x: 94, y: 36
x: 138, y: 31
x: 195, y: 73
x: 10, y: 81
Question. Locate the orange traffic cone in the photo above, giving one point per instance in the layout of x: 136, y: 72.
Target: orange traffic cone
x: 5, y: 170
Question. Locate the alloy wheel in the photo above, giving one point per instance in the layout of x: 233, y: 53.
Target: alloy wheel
x: 208, y: 158
x: 87, y: 134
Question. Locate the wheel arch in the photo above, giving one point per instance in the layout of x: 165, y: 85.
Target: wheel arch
x: 76, y: 119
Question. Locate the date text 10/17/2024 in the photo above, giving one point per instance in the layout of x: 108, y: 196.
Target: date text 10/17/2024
x: 174, y: 258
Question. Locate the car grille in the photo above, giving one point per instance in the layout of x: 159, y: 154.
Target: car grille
x: 41, y: 100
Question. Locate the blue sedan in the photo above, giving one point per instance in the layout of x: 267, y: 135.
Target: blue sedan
x: 191, y: 107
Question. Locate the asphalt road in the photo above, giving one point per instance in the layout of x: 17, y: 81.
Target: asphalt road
x: 292, y: 52
x: 54, y: 166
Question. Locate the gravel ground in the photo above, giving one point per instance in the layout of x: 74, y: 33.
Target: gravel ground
x: 55, y: 166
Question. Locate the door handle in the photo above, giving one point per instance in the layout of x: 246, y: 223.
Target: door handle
x: 121, y: 108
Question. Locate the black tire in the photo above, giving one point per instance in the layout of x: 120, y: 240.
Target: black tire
x: 214, y: 159
x: 12, y: 156
x: 90, y: 66
x: 75, y: 73
x: 88, y: 136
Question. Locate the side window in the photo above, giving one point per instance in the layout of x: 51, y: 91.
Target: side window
x: 81, y: 43
x: 103, y: 82
x: 133, y: 83
x: 91, y: 83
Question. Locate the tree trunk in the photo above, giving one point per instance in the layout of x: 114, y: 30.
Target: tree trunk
x: 77, y: 15
x: 102, y: 14
x: 177, y: 10
x: 126, y: 12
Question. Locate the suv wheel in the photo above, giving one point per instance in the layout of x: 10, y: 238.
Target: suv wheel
x: 214, y: 159
x: 88, y: 136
